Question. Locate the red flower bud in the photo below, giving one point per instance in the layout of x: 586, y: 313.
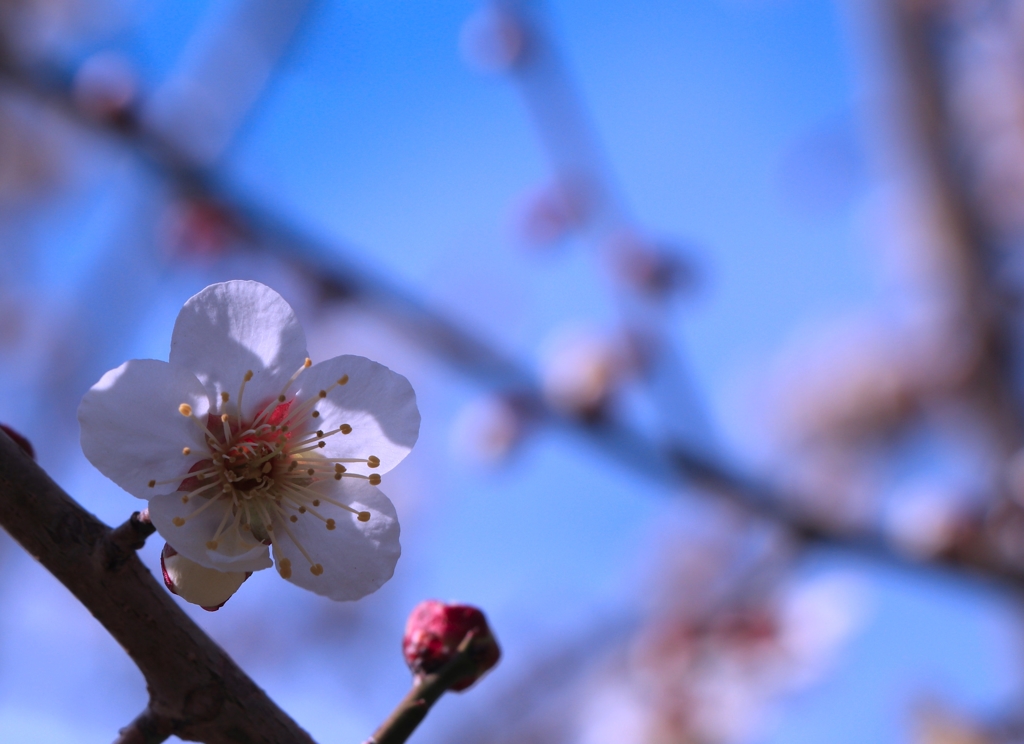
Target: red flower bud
x: 19, y: 440
x: 433, y: 634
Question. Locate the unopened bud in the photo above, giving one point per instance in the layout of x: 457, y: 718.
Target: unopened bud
x: 434, y: 632
x: 19, y: 440
x: 206, y: 587
x: 493, y: 39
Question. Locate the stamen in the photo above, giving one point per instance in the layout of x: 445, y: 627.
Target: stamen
x: 374, y: 479
x: 331, y: 524
x: 185, y: 409
x: 241, y: 390
x: 363, y: 516
x: 284, y: 567
x: 345, y: 429
x: 373, y: 461
x: 186, y: 451
x: 227, y: 427
x: 224, y: 397
x: 316, y: 569
x: 343, y: 380
x: 179, y: 521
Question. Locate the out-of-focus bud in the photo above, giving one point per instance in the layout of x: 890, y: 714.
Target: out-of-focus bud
x: 648, y: 267
x: 106, y: 87
x: 19, y: 440
x: 489, y: 428
x: 546, y: 214
x: 924, y: 520
x: 493, y: 39
x: 580, y: 371
x: 435, y: 631
x: 195, y: 228
x: 197, y: 584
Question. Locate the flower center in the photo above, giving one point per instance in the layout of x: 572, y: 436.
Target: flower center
x: 267, y: 470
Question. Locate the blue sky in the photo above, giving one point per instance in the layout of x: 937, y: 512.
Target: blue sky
x: 376, y: 134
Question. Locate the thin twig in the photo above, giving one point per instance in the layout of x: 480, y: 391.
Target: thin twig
x: 148, y: 728
x: 426, y: 691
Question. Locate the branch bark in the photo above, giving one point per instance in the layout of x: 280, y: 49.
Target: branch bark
x: 196, y: 691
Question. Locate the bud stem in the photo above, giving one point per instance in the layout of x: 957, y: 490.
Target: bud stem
x: 426, y: 691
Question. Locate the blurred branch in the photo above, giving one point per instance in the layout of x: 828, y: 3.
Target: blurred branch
x: 196, y: 691
x: 917, y: 32
x: 336, y: 276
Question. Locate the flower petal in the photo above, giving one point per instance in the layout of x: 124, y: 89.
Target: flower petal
x: 236, y: 550
x: 378, y: 404
x: 206, y: 587
x: 357, y: 557
x: 132, y: 430
x: 231, y: 328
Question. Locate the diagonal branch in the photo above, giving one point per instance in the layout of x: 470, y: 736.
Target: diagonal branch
x: 196, y: 691
x: 336, y: 275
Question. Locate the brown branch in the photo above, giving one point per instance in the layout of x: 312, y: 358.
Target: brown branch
x: 196, y: 691
x: 148, y: 728
x: 426, y: 691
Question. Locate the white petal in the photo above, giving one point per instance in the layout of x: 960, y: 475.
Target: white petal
x: 236, y: 550
x: 198, y: 584
x: 231, y: 328
x: 378, y: 404
x: 357, y: 557
x: 132, y: 430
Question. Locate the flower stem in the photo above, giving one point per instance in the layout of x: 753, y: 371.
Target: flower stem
x: 426, y: 691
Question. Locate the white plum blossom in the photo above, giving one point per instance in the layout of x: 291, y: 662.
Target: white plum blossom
x: 244, y: 448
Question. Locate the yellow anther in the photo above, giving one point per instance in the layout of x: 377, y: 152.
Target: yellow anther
x: 293, y: 518
x: 211, y: 545
x: 346, y: 429
x: 322, y: 393
x: 248, y: 376
x: 339, y: 468
x: 302, y: 510
x: 373, y: 461
x: 337, y: 476
x: 374, y: 479
x: 363, y: 516
x: 186, y: 451
x: 308, y: 363
x: 284, y: 567
x: 178, y: 521
x: 310, y: 471
x: 225, y: 397
x: 281, y: 399
x: 185, y: 409
x: 343, y: 380
x: 319, y: 433
x: 321, y: 445
x: 316, y: 569
x: 184, y: 499
x: 331, y: 524
x: 316, y: 502
x: 152, y: 483
x: 224, y: 417
x: 316, y: 414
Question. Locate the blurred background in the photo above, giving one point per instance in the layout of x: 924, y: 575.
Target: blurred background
x: 713, y: 311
